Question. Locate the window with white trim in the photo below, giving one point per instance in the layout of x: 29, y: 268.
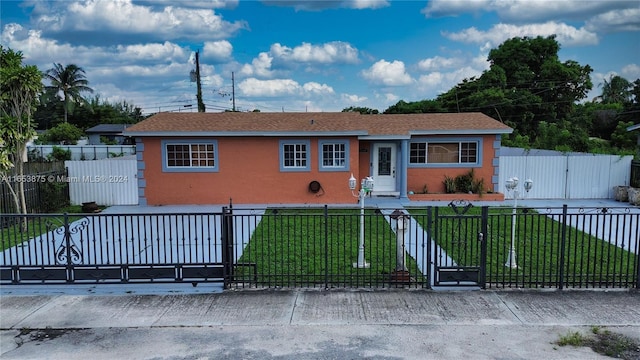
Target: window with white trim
x: 185, y: 155
x: 461, y: 152
x: 334, y: 155
x: 294, y: 156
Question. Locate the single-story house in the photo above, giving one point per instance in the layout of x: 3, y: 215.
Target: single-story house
x: 112, y: 132
x: 308, y: 158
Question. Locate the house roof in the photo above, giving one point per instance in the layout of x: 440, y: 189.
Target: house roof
x: 107, y: 128
x: 316, y: 124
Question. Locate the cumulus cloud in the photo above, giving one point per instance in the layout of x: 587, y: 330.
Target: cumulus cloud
x: 631, y: 72
x: 151, y: 52
x: 439, y: 63
x: 123, y: 16
x: 317, y: 5
x: 526, y: 10
x: 282, y: 87
x: 615, y: 21
x: 328, y: 53
x: 260, y: 66
x: 387, y: 73
x: 353, y: 99
x: 268, y: 88
x: 566, y: 34
x: 218, y: 50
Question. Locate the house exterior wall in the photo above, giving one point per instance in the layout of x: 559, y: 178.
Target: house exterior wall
x: 248, y: 172
x: 433, y: 176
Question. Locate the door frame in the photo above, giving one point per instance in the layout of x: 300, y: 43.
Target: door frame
x: 392, y: 189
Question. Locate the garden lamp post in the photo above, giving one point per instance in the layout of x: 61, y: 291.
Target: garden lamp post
x: 512, y: 186
x: 366, y: 185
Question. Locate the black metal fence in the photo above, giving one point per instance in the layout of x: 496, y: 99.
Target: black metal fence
x: 247, y: 248
x: 635, y: 174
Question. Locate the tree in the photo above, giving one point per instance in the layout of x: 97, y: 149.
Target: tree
x: 616, y: 90
x: 71, y: 81
x: 20, y: 86
x: 63, y: 133
x: 361, y: 110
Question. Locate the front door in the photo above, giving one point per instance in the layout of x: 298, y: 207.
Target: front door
x: 384, y: 167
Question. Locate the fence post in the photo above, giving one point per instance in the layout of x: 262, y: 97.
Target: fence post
x: 484, y: 239
x: 67, y: 241
x: 326, y: 247
x: 563, y: 239
x: 227, y: 245
x: 430, y: 265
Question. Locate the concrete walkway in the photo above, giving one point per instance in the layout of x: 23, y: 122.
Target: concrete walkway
x: 271, y: 324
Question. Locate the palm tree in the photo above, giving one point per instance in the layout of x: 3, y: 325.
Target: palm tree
x: 616, y: 90
x: 71, y: 81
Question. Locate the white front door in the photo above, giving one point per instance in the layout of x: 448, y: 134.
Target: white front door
x: 384, y: 167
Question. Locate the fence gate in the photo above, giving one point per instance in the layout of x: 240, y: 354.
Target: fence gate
x: 460, y: 249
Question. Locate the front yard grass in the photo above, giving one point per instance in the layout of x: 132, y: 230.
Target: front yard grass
x: 301, y: 247
x: 36, y: 225
x: 588, y: 261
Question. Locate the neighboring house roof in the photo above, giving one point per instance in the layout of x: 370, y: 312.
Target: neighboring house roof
x: 634, y: 127
x: 317, y: 124
x: 107, y: 129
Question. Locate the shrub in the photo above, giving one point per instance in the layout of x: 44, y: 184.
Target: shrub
x: 449, y: 185
x: 59, y: 154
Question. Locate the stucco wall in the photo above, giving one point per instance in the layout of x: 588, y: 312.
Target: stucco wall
x: 433, y: 177
x: 249, y: 173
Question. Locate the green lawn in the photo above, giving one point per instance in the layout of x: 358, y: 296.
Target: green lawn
x: 35, y: 226
x: 302, y: 247
x: 588, y: 261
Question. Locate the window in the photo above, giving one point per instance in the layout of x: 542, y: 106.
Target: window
x: 294, y: 155
x: 461, y: 152
x: 334, y: 155
x: 188, y: 156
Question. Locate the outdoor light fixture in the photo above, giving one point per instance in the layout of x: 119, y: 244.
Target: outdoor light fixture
x: 512, y: 186
x: 366, y: 186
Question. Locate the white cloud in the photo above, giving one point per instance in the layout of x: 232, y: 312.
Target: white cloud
x: 631, y: 72
x: 315, y: 88
x: 438, y: 82
x: 353, y: 99
x: 268, y: 88
x: 616, y: 20
x: 317, y: 5
x: 151, y: 52
x: 201, y: 4
x: 218, y: 50
x: 439, y: 63
x: 566, y: 35
x: 260, y: 66
x: 328, y: 53
x: 387, y: 73
x: 526, y: 10
x: 122, y: 16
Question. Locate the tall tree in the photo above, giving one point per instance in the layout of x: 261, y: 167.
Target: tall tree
x: 71, y: 81
x: 616, y: 90
x: 20, y: 86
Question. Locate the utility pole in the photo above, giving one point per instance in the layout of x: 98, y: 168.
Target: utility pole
x: 233, y: 91
x: 198, y: 84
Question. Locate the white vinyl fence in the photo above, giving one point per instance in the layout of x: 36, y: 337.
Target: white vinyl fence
x: 107, y: 182
x: 565, y: 176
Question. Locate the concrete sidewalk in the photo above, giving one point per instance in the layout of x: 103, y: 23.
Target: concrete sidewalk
x: 312, y: 324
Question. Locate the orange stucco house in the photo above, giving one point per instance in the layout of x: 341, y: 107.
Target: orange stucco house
x: 308, y: 158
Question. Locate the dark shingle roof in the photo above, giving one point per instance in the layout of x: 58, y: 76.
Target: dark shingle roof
x: 107, y: 128
x: 274, y: 124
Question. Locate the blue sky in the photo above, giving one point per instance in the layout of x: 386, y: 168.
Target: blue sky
x: 306, y: 55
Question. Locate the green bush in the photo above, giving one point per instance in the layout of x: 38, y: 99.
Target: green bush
x: 59, y: 154
x: 63, y: 133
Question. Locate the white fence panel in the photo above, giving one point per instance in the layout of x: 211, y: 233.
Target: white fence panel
x: 547, y: 172
x: 567, y: 176
x: 107, y: 182
x: 83, y: 152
